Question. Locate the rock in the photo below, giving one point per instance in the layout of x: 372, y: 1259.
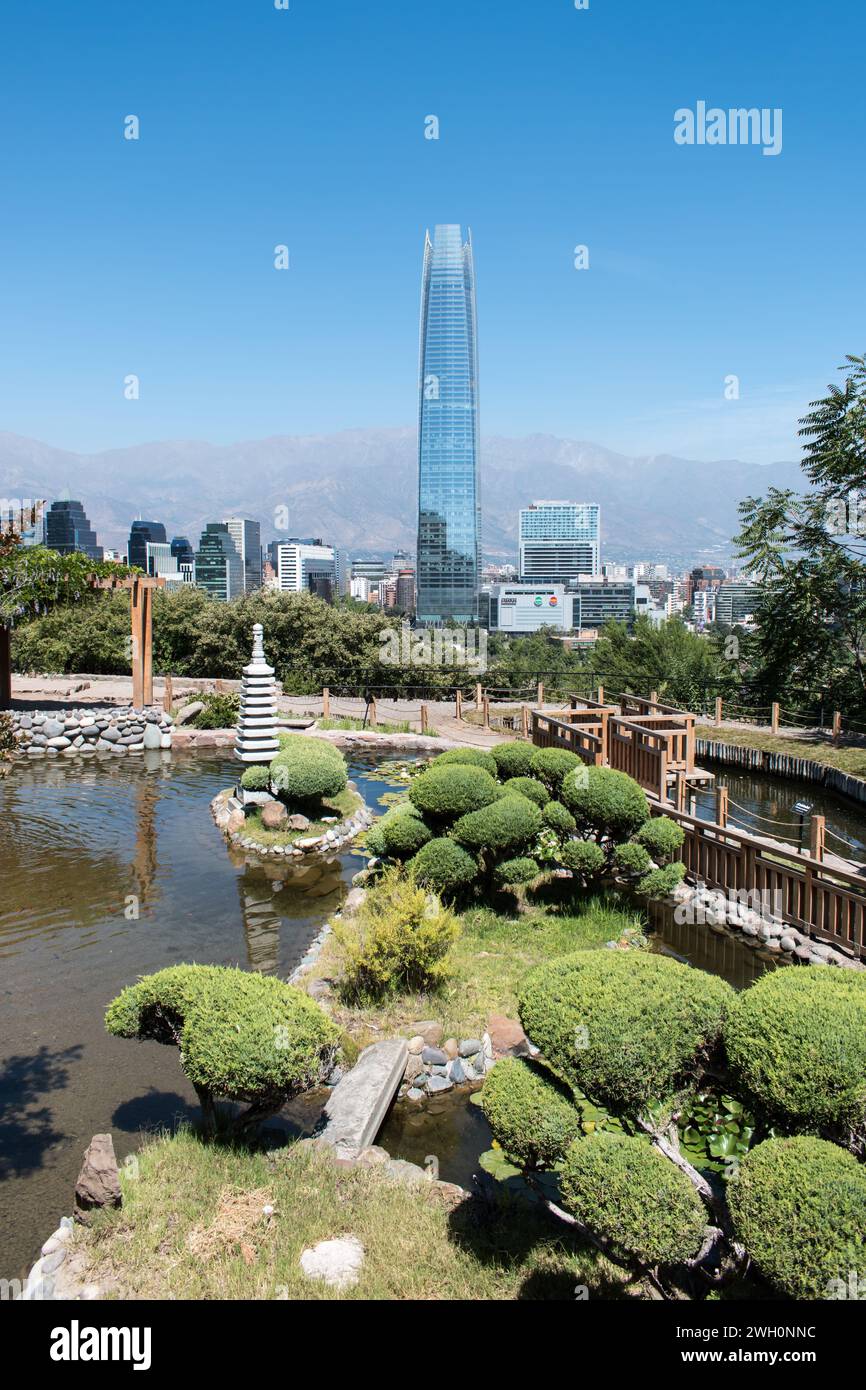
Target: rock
x: 165, y: 740
x: 274, y: 816
x: 434, y: 1057
x: 58, y: 743
x: 152, y: 737
x: 507, y: 1038
x: 405, y: 1172
x: 52, y: 728
x: 373, y: 1157
x: 337, y: 1263
x: 788, y: 943
x: 111, y: 734
x: 414, y: 1093
x: 470, y: 1047
x: 236, y: 822
x: 335, y: 1077
x: 416, y: 1044
x: 353, y: 901
x: 436, y: 1084
x: 298, y: 822
x: 414, y: 1067
x: 189, y: 712
x: 451, y: 1048
x: 457, y: 1072
x: 98, y: 1182
x: 432, y: 1033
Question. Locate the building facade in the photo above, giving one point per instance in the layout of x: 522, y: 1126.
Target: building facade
x: 247, y: 537
x: 219, y: 570
x: 306, y: 567
x: 449, y: 506
x: 142, y: 534
x: 529, y: 607
x: 559, y: 541
x: 67, y: 530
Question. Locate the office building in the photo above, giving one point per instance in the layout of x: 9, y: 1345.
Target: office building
x: 736, y: 601
x: 306, y: 567
x: 67, y: 530
x: 529, y: 607
x: 247, y: 537
x: 23, y: 518
x: 559, y: 541
x: 141, y: 534
x: 449, y: 547
x: 219, y: 570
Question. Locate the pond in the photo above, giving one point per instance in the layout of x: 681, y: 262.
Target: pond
x: 83, y: 849
x: 764, y: 804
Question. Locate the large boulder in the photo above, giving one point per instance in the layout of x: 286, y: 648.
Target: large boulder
x: 98, y: 1182
x: 274, y: 816
x: 189, y: 712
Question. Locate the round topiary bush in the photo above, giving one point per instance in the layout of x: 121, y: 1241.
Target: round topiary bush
x: 402, y: 833
x: 308, y: 769
x: 605, y: 802
x: 552, y: 765
x: 799, y: 1207
x: 660, y: 883
x: 443, y: 866
x: 242, y: 1036
x: 532, y: 1115
x: 444, y: 793
x: 471, y: 757
x: 662, y: 837
x: 511, y: 823
x: 511, y: 873
x: 513, y: 759
x: 798, y: 1040
x: 256, y: 778
x: 631, y: 859
x: 623, y: 1190
x: 559, y: 818
x: 530, y: 787
x: 627, y: 1029
x: 584, y: 858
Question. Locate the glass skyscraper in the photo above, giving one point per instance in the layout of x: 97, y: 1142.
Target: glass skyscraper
x: 449, y: 540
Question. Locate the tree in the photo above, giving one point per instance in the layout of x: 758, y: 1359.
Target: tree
x: 807, y: 552
x: 683, y: 667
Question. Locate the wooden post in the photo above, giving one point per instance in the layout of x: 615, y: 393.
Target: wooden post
x: 326, y: 703
x: 837, y: 725
x: 147, y: 638
x: 458, y: 704
x: 167, y: 694
x: 5, y: 667
x: 137, y: 644
x: 718, y: 710
x: 681, y: 792
x: 774, y: 717
x: 721, y: 806
x: 487, y: 712
x: 600, y: 695
x: 423, y: 719
x: 524, y: 720
x: 374, y: 718
x: 817, y: 832
x: 478, y: 697
x: 540, y: 695
x: 654, y: 697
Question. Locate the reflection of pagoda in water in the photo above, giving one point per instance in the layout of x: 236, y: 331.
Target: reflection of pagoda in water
x: 284, y: 907
x: 262, y: 922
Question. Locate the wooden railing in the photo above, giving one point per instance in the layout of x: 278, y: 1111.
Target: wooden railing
x: 824, y: 901
x: 549, y: 731
x: 640, y: 752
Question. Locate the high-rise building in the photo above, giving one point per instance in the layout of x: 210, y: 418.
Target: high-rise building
x: 374, y: 570
x: 247, y: 536
x: 142, y: 533
x: 218, y: 566
x: 67, y: 530
x: 182, y: 551
x: 559, y: 541
x: 531, y: 607
x: 306, y: 567
x: 736, y: 600
x: 405, y: 592
x: 449, y: 530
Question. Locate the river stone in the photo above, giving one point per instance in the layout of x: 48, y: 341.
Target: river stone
x: 470, y: 1047
x: 432, y: 1033
x: 434, y: 1056
x: 52, y: 728
x: 416, y: 1044
x: 788, y: 942
x: 189, y: 712
x: 438, y: 1083
x: 414, y: 1067
x: 414, y: 1093
x: 152, y: 736
x: 165, y: 740
x: 111, y: 734
x: 274, y: 815
x: 507, y: 1037
x: 60, y: 742
x: 451, y: 1048
x: 298, y: 822
x: 457, y: 1072
x: 337, y: 1263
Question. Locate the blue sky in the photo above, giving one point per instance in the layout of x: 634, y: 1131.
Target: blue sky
x: 306, y: 127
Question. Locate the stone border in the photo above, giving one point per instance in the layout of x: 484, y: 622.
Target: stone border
x: 108, y: 729
x: 56, y: 1276
x: 225, y: 805
x: 750, y: 759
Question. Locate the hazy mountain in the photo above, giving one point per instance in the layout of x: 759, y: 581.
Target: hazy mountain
x: 357, y: 489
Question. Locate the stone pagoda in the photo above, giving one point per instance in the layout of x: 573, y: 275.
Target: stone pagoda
x: 257, y: 740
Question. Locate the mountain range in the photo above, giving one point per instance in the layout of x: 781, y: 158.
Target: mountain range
x: 357, y: 489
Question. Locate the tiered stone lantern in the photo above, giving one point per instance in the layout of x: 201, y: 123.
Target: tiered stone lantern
x: 257, y: 740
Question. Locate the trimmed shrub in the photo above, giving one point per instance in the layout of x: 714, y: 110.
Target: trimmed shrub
x: 631, y: 859
x: 402, y: 833
x: 513, y: 759
x: 605, y: 802
x: 660, y: 883
x: 242, y: 1036
x: 532, y: 1115
x: 451, y: 791
x: 559, y: 818
x: 513, y: 872
x: 584, y: 858
x: 623, y: 1190
x: 308, y: 769
x: 398, y: 940
x: 798, y: 1040
x: 552, y: 765
x: 472, y: 757
x: 530, y: 787
x: 661, y: 836
x: 256, y: 778
x: 646, y: 1022
x: 220, y: 712
x: 511, y: 823
x: 443, y: 866
x: 799, y: 1207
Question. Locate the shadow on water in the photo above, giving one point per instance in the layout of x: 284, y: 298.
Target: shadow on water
x: 27, y: 1128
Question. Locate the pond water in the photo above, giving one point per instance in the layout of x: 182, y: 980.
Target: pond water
x: 78, y: 845
x: 764, y: 804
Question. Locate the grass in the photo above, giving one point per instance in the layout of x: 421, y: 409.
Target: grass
x: 192, y: 1227
x: 342, y: 806
x: 348, y: 722
x: 495, y: 950
x: 818, y: 747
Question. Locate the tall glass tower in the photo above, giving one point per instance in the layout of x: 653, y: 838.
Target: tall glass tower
x: 449, y: 511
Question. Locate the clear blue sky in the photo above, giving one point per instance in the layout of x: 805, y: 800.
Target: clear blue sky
x: 306, y: 127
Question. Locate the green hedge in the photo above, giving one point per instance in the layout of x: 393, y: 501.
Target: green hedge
x: 660, y: 883
x: 626, y: 1028
x: 443, y: 866
x: 559, y: 818
x: 584, y: 858
x: 799, y: 1207
x: 631, y: 859
x: 513, y: 759
x: 605, y: 802
x: 453, y: 790
x: 511, y: 873
x: 798, y: 1040
x: 511, y: 823
x: 532, y: 1115
x: 402, y: 833
x: 530, y: 787
x: 627, y: 1193
x: 471, y: 757
x: 256, y: 778
x: 662, y: 837
x: 308, y: 769
x: 552, y: 765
